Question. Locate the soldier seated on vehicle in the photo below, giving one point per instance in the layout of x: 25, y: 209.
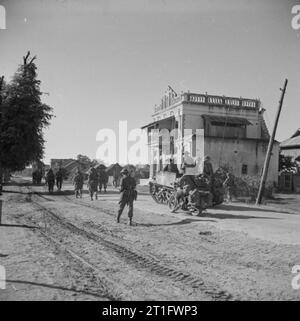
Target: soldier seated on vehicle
x: 171, y: 168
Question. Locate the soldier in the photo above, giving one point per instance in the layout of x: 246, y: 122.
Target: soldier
x: 34, y: 174
x: 195, y: 202
x: 207, y: 167
x: 127, y: 195
x: 171, y: 167
x: 59, y: 178
x: 208, y: 172
x: 39, y: 176
x: 115, y: 178
x: 103, y: 179
x: 93, y: 182
x: 228, y: 185
x: 78, y: 183
x: 50, y: 178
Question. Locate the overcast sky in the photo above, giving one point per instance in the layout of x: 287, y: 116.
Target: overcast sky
x: 105, y: 61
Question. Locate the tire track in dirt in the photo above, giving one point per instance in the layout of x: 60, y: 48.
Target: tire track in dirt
x: 253, y: 265
x: 105, y: 285
x: 137, y: 259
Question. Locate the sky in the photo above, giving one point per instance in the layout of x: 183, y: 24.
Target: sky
x: 103, y: 61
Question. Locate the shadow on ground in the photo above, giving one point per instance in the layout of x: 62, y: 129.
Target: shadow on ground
x: 240, y: 208
x: 55, y: 287
x: 16, y: 225
x: 182, y: 222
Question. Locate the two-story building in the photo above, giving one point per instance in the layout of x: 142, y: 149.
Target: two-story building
x: 234, y: 129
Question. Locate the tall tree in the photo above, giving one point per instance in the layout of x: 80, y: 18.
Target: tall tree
x: 24, y: 117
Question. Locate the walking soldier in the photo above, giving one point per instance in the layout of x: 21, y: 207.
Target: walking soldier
x: 50, y: 179
x: 128, y: 195
x: 93, y: 183
x: 59, y: 178
x: 78, y: 183
x: 103, y: 179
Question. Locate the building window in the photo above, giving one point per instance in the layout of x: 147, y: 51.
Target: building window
x: 228, y: 130
x: 244, y: 169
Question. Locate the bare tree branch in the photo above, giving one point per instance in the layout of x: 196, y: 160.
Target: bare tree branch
x: 31, y: 61
x: 26, y: 57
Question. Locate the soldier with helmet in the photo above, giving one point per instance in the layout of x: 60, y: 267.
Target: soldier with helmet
x: 50, y: 179
x: 128, y: 194
x: 207, y: 167
x: 93, y: 182
x: 78, y: 181
x: 102, y: 179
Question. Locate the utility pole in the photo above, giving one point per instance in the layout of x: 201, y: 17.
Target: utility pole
x: 1, y: 85
x: 270, y: 146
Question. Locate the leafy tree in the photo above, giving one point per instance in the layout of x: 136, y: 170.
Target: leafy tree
x: 286, y: 163
x: 24, y: 117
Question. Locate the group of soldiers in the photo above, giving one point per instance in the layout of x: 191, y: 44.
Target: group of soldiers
x: 98, y: 178
x: 52, y: 178
x: 37, y: 176
x: 128, y: 191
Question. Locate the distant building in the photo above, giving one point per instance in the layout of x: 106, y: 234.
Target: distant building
x: 291, y: 147
x: 235, y: 132
x: 114, y: 174
x: 69, y: 164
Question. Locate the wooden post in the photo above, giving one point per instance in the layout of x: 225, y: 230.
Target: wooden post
x: 270, y: 146
x: 0, y: 212
x: 1, y: 86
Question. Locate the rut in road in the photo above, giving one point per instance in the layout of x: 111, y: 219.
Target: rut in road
x: 104, y: 285
x: 138, y: 259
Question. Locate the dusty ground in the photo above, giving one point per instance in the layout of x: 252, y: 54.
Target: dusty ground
x: 54, y: 247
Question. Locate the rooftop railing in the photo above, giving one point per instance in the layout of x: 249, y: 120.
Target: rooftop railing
x: 205, y: 99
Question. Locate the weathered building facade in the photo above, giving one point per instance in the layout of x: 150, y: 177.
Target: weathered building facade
x: 235, y: 132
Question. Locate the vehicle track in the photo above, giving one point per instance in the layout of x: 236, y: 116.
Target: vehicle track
x: 105, y: 284
x: 137, y: 259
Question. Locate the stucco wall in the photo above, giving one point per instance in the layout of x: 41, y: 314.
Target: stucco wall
x: 193, y: 119
x: 238, y: 152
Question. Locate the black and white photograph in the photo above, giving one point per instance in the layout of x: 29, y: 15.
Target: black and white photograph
x: 149, y: 152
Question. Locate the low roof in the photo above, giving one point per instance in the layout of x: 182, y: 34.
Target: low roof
x: 112, y: 166
x: 157, y: 121
x: 291, y: 142
x: 227, y: 119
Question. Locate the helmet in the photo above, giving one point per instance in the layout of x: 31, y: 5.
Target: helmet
x: 124, y: 171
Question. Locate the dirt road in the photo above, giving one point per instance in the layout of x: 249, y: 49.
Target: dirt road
x: 54, y: 247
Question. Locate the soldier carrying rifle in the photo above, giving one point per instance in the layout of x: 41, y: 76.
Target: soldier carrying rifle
x: 128, y: 195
